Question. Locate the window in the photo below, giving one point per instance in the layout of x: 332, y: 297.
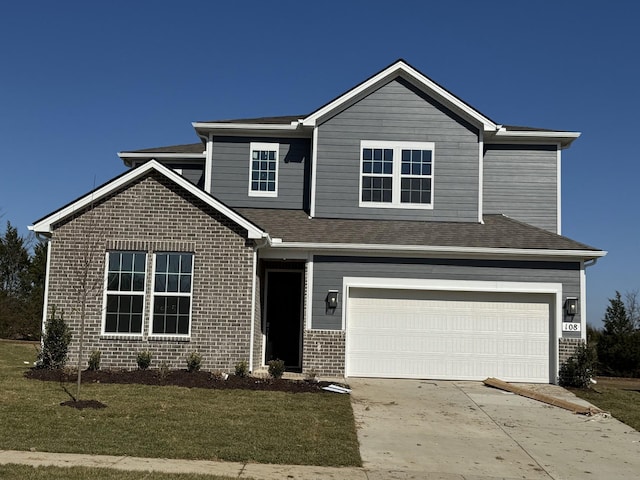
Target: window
x: 172, y: 289
x: 396, y: 174
x: 263, y: 170
x: 126, y: 277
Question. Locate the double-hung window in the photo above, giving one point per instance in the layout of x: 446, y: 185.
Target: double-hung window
x: 126, y: 278
x: 172, y: 289
x: 263, y: 169
x: 396, y: 174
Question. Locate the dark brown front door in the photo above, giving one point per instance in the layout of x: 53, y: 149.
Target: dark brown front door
x: 284, y: 317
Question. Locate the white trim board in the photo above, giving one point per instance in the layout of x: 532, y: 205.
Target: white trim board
x: 475, y: 252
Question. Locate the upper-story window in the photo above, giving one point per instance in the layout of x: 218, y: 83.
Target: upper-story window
x: 263, y: 170
x: 396, y: 174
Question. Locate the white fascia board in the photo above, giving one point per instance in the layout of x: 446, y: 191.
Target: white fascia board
x: 412, y: 74
x: 124, y: 155
x: 245, y: 126
x: 440, y: 250
x: 565, y: 138
x: 45, y: 225
x: 294, y: 129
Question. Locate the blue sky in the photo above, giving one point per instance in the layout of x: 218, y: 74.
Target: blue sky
x: 80, y: 81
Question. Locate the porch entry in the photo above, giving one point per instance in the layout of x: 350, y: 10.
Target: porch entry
x: 284, y: 316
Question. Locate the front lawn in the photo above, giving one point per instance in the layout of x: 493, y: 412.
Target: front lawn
x: 25, y: 472
x: 619, y: 397
x: 174, y: 422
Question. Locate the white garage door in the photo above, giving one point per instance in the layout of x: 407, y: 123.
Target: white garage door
x: 448, y: 335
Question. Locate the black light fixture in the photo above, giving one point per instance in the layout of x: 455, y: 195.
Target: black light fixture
x: 332, y: 299
x: 571, y: 306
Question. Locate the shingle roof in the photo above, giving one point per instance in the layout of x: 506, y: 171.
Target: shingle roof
x: 497, y: 231
x: 185, y: 148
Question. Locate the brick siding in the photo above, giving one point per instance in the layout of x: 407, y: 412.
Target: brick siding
x: 324, y: 352
x: 153, y: 214
x: 567, y: 347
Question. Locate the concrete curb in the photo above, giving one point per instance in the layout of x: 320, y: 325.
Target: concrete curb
x: 239, y: 470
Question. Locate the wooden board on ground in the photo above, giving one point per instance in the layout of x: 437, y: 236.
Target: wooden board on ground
x: 541, y: 397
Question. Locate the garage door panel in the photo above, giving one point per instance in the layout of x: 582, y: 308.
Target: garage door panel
x: 455, y: 335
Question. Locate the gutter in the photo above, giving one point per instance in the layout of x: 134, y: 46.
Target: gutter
x: 277, y: 243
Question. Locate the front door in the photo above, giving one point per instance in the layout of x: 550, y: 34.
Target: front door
x: 284, y: 317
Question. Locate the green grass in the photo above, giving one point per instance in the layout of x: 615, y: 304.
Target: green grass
x: 622, y: 404
x: 25, y: 472
x: 174, y: 422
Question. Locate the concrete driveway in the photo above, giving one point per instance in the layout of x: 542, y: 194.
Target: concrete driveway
x: 465, y: 430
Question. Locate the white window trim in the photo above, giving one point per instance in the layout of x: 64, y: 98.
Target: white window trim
x: 106, y: 292
x: 263, y: 146
x: 170, y: 294
x: 397, y: 147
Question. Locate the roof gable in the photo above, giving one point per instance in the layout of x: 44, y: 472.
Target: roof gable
x: 45, y: 225
x: 400, y: 69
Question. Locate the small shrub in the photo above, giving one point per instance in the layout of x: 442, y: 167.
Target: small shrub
x: 55, y: 343
x: 311, y: 375
x: 276, y: 368
x: 94, y: 360
x: 578, y: 369
x: 242, y: 369
x: 163, y: 371
x: 143, y: 359
x: 194, y: 361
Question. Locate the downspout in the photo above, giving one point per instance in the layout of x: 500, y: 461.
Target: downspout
x: 258, y: 245
x: 45, y: 303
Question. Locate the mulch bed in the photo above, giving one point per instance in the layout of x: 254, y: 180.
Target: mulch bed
x: 181, y: 378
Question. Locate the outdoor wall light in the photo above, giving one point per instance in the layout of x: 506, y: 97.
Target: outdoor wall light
x: 332, y: 299
x: 571, y: 306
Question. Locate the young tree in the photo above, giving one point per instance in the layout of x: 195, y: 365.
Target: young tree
x: 616, y: 320
x: 632, y: 305
x: 14, y: 263
x: 619, y: 344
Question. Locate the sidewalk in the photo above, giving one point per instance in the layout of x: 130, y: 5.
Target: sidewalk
x: 255, y: 471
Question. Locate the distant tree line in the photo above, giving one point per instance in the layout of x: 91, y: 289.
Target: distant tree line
x: 617, y: 344
x: 22, y: 278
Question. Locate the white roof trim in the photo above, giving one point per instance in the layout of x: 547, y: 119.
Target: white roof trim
x: 402, y: 68
x: 160, y: 155
x: 425, y: 249
x: 535, y: 136
x: 45, y: 225
x: 245, y: 126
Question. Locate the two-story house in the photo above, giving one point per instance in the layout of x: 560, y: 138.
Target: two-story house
x: 394, y: 232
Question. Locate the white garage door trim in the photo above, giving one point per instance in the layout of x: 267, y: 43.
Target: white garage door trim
x: 555, y: 289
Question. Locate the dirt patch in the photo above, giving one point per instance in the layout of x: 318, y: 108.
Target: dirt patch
x: 181, y: 378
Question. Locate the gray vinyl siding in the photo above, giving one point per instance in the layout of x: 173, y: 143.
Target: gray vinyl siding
x: 230, y: 173
x: 397, y: 112
x: 521, y: 182
x: 194, y: 172
x: 328, y: 273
